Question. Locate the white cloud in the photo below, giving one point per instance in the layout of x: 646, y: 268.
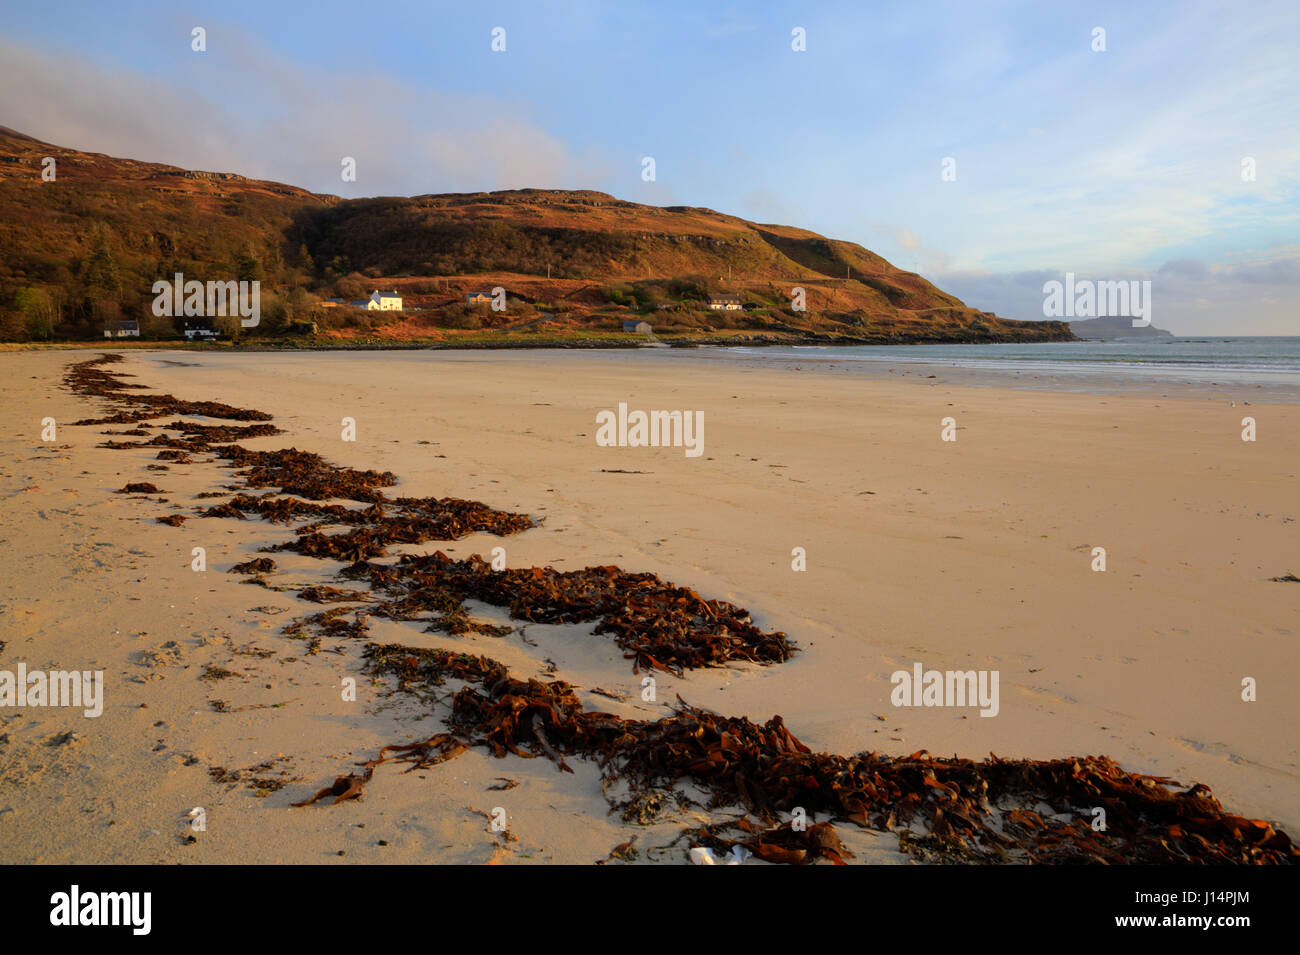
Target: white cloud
x: 297, y: 125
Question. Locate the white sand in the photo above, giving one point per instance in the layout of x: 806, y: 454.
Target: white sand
x: 965, y: 555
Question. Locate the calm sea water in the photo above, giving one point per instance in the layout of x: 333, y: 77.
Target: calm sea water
x: 1268, y: 362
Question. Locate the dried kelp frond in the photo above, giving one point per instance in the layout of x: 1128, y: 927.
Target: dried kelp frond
x: 88, y: 378
x: 301, y: 479
x: 976, y: 811
x: 286, y: 510
x: 305, y: 474
x: 208, y: 432
x: 324, y: 595
x: 659, y: 625
x: 328, y: 623
x: 141, y: 487
x: 258, y: 565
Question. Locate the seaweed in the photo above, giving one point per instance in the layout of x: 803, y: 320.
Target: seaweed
x: 659, y: 625
x: 946, y: 809
x: 259, y: 565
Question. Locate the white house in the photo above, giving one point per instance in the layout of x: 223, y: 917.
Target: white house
x: 123, y: 328
x: 724, y: 304
x: 202, y: 329
x: 384, y: 302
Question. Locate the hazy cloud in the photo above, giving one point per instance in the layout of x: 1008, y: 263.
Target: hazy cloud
x: 1188, y: 268
x: 1278, y: 272
x: 299, y: 124
x: 1189, y: 297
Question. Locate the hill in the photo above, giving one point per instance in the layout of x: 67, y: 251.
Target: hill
x: 85, y: 248
x: 1115, y: 327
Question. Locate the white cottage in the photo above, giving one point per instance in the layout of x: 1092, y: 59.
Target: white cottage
x: 123, y: 328
x: 384, y: 302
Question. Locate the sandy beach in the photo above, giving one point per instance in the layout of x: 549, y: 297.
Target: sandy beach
x: 976, y: 553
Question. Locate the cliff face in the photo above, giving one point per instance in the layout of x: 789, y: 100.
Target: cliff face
x: 94, y: 239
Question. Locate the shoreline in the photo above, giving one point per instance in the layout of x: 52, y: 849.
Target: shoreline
x: 1113, y: 378
x: 487, y: 342
x: 770, y: 710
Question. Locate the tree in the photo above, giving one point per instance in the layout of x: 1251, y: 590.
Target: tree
x: 37, y: 310
x: 229, y: 326
x: 13, y: 325
x: 101, y: 274
x: 248, y: 267
x: 275, y: 315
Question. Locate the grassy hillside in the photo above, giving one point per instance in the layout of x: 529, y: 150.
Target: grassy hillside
x: 85, y: 249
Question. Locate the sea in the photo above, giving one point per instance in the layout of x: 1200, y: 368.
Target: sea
x: 1270, y: 365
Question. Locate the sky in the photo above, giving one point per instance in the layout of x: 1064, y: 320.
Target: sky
x: 1122, y: 163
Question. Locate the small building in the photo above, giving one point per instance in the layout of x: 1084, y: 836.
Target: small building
x: 478, y: 298
x: 201, y: 329
x: 333, y: 302
x: 360, y: 303
x: 384, y: 302
x: 122, y: 328
x: 724, y: 304
x: 640, y: 328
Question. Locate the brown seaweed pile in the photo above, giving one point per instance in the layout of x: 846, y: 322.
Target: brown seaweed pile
x: 140, y: 487
x: 89, y: 378
x: 259, y: 565
x: 300, y: 478
x: 657, y: 624
x: 950, y: 809
x: 944, y: 809
x: 415, y: 521
x: 208, y: 432
x: 286, y: 510
x: 305, y: 474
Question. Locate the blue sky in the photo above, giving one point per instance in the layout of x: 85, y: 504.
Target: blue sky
x: 1117, y: 164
